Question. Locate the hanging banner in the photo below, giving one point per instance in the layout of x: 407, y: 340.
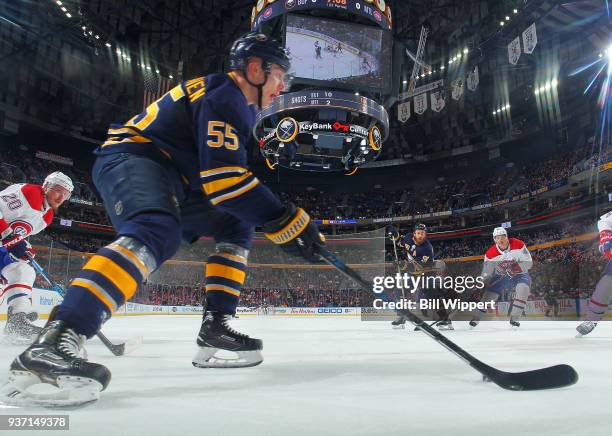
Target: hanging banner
x: 514, y: 50
x: 437, y: 101
x: 420, y: 104
x: 473, y: 79
x: 403, y: 112
x: 457, y: 88
x: 421, y: 89
x: 530, y: 39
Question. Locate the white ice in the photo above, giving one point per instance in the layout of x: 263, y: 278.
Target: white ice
x: 342, y: 376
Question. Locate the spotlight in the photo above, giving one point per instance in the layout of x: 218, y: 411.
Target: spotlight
x: 68, y: 15
x: 157, y: 71
x: 442, y: 67
x: 501, y: 23
x: 515, y: 11
x: 507, y: 18
x: 108, y: 44
x: 465, y: 51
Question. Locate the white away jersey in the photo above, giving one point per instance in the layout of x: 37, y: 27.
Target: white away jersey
x: 24, y: 209
x: 513, y: 261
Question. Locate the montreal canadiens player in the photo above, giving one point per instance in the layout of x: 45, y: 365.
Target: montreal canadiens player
x: 598, y: 305
x: 25, y: 210
x: 506, y: 264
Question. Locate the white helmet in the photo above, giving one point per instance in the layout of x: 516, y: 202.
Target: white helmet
x: 499, y: 231
x: 60, y: 179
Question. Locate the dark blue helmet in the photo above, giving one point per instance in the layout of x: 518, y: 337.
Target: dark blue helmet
x: 420, y: 226
x: 259, y: 45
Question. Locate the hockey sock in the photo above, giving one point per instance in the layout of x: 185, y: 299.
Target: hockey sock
x: 107, y: 280
x: 18, y: 292
x: 225, y: 274
x: 520, y: 300
x: 600, y: 299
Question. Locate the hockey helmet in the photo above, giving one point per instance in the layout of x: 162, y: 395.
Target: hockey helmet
x: 420, y: 226
x: 60, y: 179
x: 499, y: 231
x: 257, y: 44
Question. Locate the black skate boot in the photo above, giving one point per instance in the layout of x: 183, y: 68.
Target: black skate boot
x: 54, y: 359
x: 514, y: 322
x: 585, y: 328
x: 18, y: 329
x: 446, y: 324
x: 217, y: 336
x: 399, y: 322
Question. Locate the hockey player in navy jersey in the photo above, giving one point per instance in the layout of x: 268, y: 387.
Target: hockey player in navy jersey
x: 177, y: 171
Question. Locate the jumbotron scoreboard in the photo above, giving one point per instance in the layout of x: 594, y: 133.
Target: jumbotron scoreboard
x: 341, y: 53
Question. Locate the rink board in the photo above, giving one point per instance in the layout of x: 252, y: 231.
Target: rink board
x: 43, y: 301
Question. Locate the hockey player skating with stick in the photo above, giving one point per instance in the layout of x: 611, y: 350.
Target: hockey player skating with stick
x: 598, y: 305
x: 415, y: 249
x: 506, y: 264
x: 176, y: 171
x: 25, y: 210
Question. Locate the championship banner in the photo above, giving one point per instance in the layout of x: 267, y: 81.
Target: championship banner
x: 403, y: 111
x: 514, y: 50
x: 530, y: 39
x: 420, y: 104
x: 421, y: 89
x: 457, y: 88
x: 437, y: 101
x: 473, y: 79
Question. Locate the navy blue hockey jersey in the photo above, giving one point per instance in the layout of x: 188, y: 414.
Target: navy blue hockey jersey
x: 202, y: 126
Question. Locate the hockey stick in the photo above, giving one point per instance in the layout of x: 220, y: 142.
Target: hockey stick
x: 545, y: 378
x: 116, y: 349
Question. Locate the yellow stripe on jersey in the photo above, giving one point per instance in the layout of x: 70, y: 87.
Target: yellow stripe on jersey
x: 235, y: 193
x: 226, y: 272
x: 233, y: 257
x: 222, y: 170
x: 135, y: 138
x: 119, y: 277
x: 130, y: 256
x: 222, y: 184
x: 177, y: 93
x: 97, y: 291
x: 222, y: 288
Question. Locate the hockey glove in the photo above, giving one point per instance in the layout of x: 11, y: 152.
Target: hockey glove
x: 393, y: 233
x: 21, y: 250
x: 295, y: 233
x: 11, y: 241
x: 605, y: 243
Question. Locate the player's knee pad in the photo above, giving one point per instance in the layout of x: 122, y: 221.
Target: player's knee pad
x: 137, y: 253
x: 19, y: 273
x: 159, y: 232
x: 522, y: 291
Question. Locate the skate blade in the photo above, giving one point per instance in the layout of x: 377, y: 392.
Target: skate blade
x: 398, y: 327
x: 206, y: 358
x: 70, y: 392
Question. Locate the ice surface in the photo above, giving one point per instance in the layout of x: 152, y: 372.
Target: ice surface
x: 342, y: 376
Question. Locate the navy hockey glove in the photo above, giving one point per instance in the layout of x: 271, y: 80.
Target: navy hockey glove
x: 21, y: 250
x: 295, y: 233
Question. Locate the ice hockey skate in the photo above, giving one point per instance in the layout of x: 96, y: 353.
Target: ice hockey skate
x: 217, y: 339
x: 54, y: 359
x: 585, y: 328
x: 19, y: 329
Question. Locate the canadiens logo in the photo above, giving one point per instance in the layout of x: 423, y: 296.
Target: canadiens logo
x: 21, y: 228
x: 267, y: 12
x: 377, y: 16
